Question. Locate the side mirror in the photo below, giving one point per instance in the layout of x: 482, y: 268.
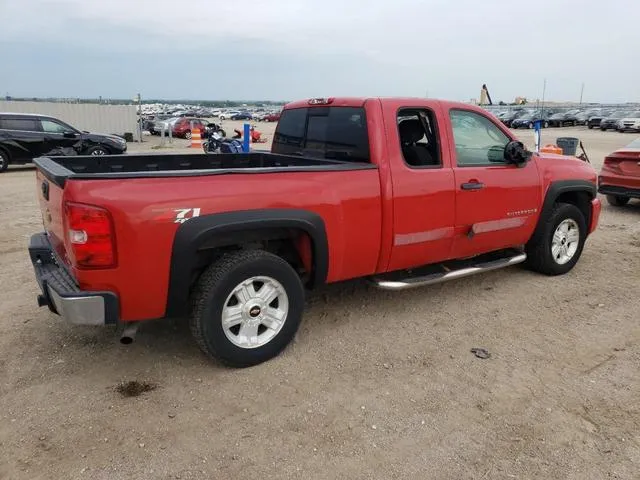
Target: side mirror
x: 516, y: 153
x: 69, y: 134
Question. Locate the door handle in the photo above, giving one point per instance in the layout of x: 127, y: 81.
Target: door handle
x: 472, y: 186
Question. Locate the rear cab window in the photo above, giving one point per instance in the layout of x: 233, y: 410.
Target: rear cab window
x: 332, y: 133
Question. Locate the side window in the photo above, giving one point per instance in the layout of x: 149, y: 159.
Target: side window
x: 418, y: 138
x: 478, y: 140
x: 289, y: 135
x: 21, y: 124
x: 50, y: 126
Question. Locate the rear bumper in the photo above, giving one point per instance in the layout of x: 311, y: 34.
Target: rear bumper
x: 619, y: 191
x: 61, y: 293
x: 610, y: 183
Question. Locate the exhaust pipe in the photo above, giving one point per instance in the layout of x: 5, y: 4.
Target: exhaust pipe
x: 128, y: 334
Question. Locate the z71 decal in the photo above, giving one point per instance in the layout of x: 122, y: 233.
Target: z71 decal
x: 184, y: 214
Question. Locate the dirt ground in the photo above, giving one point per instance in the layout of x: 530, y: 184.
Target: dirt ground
x: 376, y: 385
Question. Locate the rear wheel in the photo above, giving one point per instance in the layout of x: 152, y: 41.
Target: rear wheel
x: 557, y: 244
x: 187, y: 135
x: 246, y: 308
x: 4, y: 161
x: 590, y: 127
x: 617, y: 200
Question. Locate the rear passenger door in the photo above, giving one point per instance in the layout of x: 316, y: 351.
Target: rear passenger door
x: 22, y: 136
x: 496, y: 202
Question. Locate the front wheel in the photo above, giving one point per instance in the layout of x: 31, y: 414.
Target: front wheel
x: 590, y: 127
x: 97, y: 151
x: 617, y: 200
x: 187, y: 135
x: 246, y: 308
x: 558, y: 242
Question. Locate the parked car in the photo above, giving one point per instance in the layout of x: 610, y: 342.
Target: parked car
x: 272, y: 117
x: 228, y: 115
x: 182, y: 127
x: 511, y: 116
x: 619, y: 177
x: 610, y: 122
x: 583, y: 116
x: 238, y: 264
x: 629, y: 123
x: 24, y: 137
x: 528, y: 120
x: 241, y: 116
x: 165, y: 125
x: 562, y: 119
x: 594, y: 121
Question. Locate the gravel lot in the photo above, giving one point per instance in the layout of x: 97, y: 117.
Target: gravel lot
x: 376, y: 385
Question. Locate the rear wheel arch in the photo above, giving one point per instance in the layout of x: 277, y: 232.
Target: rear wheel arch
x: 299, y: 236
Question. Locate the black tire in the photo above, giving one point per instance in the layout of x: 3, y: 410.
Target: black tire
x: 574, y: 123
x: 603, y: 129
x: 222, y: 132
x: 214, y: 287
x: 539, y: 256
x: 545, y: 125
x: 4, y: 161
x: 187, y: 134
x: 617, y: 200
x: 97, y: 150
x: 530, y: 125
x: 590, y: 127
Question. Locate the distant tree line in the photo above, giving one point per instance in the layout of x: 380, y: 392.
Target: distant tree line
x: 122, y: 101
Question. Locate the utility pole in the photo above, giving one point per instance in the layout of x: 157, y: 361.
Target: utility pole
x: 581, y: 92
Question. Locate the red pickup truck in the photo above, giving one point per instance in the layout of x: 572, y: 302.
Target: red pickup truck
x: 404, y: 192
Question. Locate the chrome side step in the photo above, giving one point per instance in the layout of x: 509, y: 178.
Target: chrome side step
x: 395, y: 282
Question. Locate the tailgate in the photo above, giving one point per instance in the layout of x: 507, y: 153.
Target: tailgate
x: 51, y: 207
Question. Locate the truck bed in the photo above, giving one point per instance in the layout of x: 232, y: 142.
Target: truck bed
x: 59, y: 169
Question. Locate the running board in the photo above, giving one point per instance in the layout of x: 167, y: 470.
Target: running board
x: 403, y: 280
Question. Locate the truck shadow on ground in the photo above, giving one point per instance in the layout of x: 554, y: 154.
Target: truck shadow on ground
x: 353, y: 305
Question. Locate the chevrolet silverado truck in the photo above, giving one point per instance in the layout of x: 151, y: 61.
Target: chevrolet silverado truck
x: 403, y: 192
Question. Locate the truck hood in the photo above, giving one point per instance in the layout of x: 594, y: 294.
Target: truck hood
x: 564, y: 167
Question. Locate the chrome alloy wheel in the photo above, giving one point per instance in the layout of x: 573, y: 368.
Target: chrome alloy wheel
x: 255, y: 312
x: 565, y: 241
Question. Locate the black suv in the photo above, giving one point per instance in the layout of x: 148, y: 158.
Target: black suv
x: 24, y: 137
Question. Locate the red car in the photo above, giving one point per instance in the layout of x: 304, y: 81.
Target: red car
x: 404, y: 192
x: 182, y: 128
x: 619, y: 177
x: 272, y: 117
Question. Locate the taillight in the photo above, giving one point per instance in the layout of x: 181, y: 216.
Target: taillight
x: 90, y: 236
x: 612, y: 164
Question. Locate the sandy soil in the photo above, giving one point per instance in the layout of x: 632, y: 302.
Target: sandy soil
x: 376, y: 385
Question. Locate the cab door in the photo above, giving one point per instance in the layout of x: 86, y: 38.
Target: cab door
x: 423, y: 187
x: 496, y: 203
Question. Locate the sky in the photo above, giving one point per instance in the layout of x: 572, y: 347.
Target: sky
x: 287, y: 50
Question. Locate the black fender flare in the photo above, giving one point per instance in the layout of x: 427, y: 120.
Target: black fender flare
x: 558, y: 188
x: 193, y: 233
